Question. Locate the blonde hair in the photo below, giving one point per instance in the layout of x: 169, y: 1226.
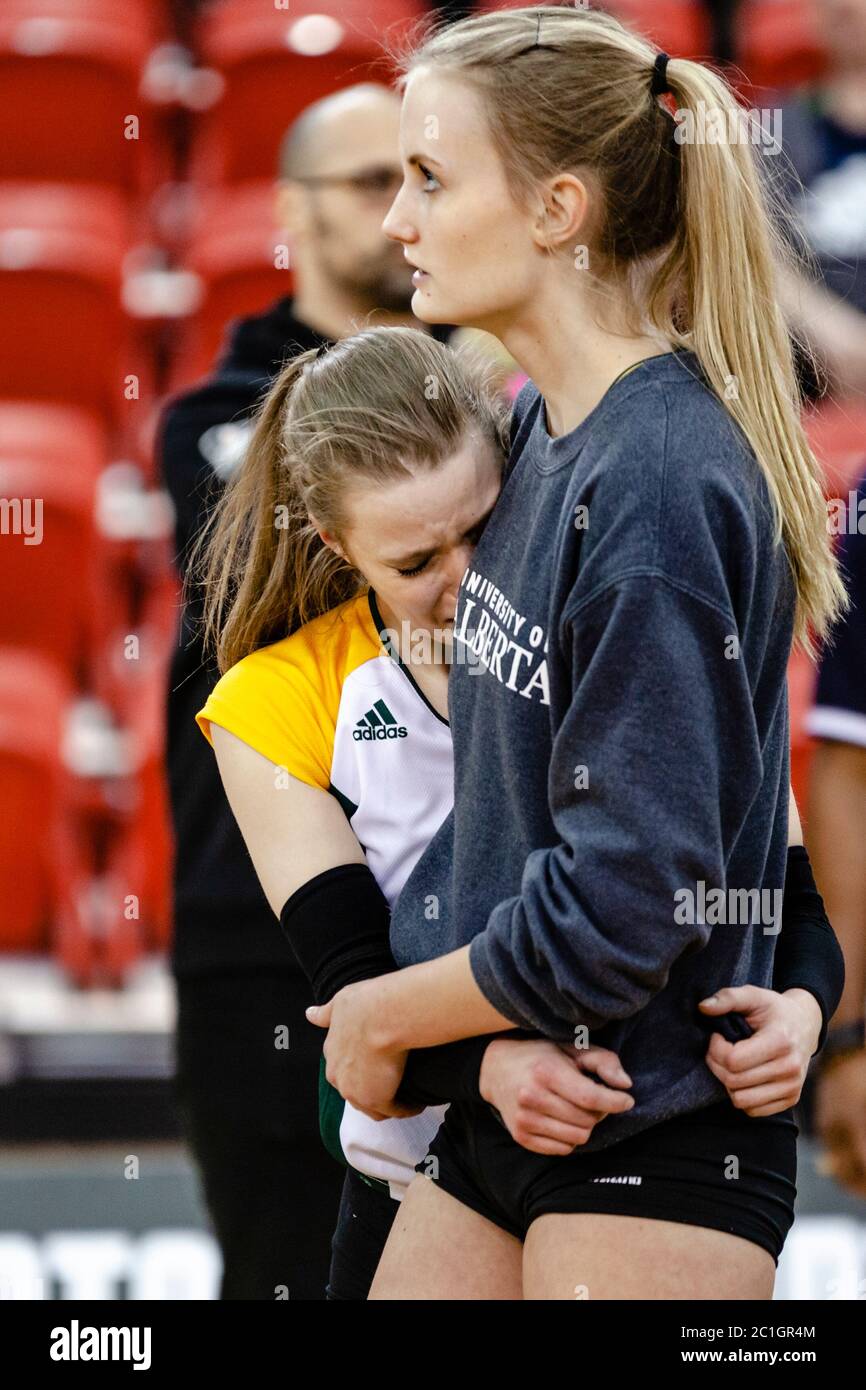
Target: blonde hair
x: 692, y: 219
x: 365, y: 412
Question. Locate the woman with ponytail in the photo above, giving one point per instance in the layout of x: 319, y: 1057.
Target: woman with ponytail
x: 611, y: 872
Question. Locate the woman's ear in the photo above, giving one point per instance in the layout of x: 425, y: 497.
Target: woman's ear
x: 328, y: 539
x: 565, y: 212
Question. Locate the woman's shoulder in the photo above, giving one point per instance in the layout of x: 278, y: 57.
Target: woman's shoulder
x: 284, y: 699
x: 672, y: 439
x: 673, y: 486
x: 297, y: 680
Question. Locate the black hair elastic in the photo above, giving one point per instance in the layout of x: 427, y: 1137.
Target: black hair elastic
x: 659, y: 83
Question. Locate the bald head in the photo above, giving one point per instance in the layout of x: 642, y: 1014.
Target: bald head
x: 313, y: 143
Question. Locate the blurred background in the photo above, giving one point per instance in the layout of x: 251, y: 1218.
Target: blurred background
x: 138, y: 221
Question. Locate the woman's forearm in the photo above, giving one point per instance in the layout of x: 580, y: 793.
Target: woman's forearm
x: 435, y: 1002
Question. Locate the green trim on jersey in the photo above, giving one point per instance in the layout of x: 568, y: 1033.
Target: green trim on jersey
x: 331, y: 1105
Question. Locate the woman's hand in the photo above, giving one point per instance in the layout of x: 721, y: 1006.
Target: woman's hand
x: 545, y: 1099
x: 840, y: 1119
x: 366, y: 1073
x: 765, y: 1073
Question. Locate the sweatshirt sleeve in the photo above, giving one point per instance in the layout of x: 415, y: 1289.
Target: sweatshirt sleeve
x: 641, y: 803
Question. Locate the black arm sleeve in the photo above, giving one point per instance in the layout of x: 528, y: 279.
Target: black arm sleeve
x: 338, y: 926
x: 808, y: 954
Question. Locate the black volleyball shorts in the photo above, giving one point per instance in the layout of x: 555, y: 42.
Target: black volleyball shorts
x: 676, y: 1170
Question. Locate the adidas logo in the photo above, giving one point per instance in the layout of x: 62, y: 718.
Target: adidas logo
x: 378, y: 723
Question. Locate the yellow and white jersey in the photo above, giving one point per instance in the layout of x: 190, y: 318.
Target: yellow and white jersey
x: 331, y: 706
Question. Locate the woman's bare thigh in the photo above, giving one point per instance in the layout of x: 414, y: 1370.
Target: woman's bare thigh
x: 599, y: 1256
x: 440, y: 1249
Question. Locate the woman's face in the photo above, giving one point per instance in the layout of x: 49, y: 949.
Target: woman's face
x: 412, y: 540
x: 454, y: 213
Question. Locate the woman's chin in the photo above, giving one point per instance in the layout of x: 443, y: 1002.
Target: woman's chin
x: 426, y: 307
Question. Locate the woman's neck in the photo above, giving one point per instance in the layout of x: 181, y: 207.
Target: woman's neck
x: 571, y: 360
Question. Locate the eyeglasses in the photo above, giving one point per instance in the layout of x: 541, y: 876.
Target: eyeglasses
x: 376, y: 183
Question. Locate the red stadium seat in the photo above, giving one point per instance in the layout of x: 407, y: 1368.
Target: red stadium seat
x: 235, y: 247
x: 274, y: 62
x: 69, y: 78
x: 73, y: 440
x: 33, y: 701
x: 47, y: 561
x: 67, y: 337
x: 55, y: 454
x: 836, y: 430
x: 122, y: 555
x: 141, y: 853
x: 779, y: 44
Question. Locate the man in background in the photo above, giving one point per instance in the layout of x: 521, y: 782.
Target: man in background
x: 250, y: 1108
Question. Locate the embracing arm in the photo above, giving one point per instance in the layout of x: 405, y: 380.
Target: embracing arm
x: 333, y: 912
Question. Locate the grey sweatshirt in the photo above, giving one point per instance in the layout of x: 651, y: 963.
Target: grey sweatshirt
x: 618, y: 704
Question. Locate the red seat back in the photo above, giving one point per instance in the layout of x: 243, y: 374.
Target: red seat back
x: 274, y: 62
x: 33, y: 700
x: 61, y: 259
x: 69, y: 77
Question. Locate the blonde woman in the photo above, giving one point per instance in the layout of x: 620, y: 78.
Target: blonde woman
x: 659, y: 541
x: 330, y: 738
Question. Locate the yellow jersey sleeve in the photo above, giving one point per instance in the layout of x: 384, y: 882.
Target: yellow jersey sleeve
x: 278, y: 701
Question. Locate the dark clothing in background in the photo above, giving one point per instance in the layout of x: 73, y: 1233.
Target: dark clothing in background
x: 250, y: 1109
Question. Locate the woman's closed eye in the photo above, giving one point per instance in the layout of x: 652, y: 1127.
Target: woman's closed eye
x: 472, y: 536
x: 428, y: 178
x: 416, y: 569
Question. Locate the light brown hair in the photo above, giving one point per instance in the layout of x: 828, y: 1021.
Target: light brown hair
x: 365, y: 412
